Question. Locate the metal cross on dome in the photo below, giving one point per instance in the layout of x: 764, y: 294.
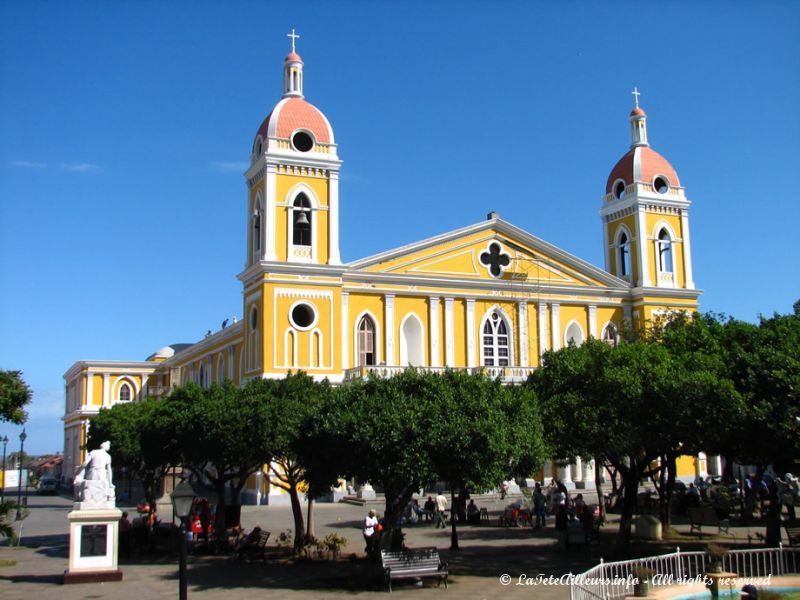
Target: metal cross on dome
x: 495, y: 259
x: 294, y: 36
x: 636, y: 93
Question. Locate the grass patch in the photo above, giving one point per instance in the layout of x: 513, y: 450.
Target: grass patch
x: 7, y: 563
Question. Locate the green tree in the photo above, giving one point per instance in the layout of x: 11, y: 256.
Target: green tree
x: 14, y: 395
x: 221, y: 439
x: 483, y: 433
x: 289, y: 404
x: 142, y: 440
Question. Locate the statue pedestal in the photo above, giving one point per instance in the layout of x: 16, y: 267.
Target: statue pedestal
x: 93, y: 545
x: 721, y: 582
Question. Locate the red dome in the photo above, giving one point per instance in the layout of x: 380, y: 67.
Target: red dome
x: 642, y: 164
x: 295, y: 113
x: 292, y: 56
x: 638, y: 112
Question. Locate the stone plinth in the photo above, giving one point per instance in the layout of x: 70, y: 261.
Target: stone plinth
x: 93, y: 545
x: 648, y: 527
x: 721, y: 581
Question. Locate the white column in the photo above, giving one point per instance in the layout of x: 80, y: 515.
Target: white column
x: 434, y: 329
x: 449, y: 333
x: 106, y: 389
x: 714, y: 465
x: 563, y: 472
x: 588, y: 471
x: 556, y: 320
x: 270, y: 213
x: 627, y: 311
x: 606, y: 249
x: 333, y: 219
x: 641, y: 248
x: 593, y: 320
x: 576, y: 470
x: 471, y: 362
x: 687, y: 251
x: 541, y: 315
x: 89, y: 390
x: 522, y: 311
x: 390, y: 358
x: 345, y: 325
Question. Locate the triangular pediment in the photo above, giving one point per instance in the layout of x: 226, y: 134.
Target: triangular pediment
x: 489, y: 251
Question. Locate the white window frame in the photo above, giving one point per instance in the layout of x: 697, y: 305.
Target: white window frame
x: 509, y: 334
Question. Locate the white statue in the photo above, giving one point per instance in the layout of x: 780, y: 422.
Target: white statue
x: 93, y: 480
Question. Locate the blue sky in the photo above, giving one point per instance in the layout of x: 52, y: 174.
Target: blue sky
x: 125, y: 128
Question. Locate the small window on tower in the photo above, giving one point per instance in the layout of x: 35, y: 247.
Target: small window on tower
x: 661, y: 184
x: 619, y: 189
x: 303, y: 316
x: 302, y: 141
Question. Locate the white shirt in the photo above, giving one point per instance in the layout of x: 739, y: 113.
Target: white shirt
x: 369, y: 525
x: 441, y: 503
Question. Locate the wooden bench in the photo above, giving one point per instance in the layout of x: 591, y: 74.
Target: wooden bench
x: 413, y: 564
x: 253, y: 546
x: 793, y: 533
x: 706, y: 515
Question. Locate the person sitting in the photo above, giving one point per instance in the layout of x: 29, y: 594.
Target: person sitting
x: 473, y: 513
x: 430, y: 508
x: 692, y: 496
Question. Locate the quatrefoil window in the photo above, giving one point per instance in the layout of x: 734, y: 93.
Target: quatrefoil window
x: 495, y: 259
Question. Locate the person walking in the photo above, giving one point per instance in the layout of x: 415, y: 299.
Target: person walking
x: 370, y: 526
x: 441, y: 507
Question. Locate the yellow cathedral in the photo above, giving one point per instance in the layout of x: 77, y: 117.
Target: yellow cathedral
x: 488, y: 296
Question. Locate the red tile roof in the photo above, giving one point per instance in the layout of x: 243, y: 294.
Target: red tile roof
x: 295, y: 113
x: 647, y: 162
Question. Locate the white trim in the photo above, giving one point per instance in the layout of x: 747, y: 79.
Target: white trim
x: 623, y: 229
x: 115, y: 389
x: 660, y: 225
x: 271, y: 185
x: 501, y: 253
x: 470, y: 317
x: 290, y: 333
x: 313, y: 309
x: 688, y: 275
x: 434, y: 331
x: 566, y: 333
x: 106, y: 390
x: 555, y: 315
x: 404, y: 345
x: 320, y: 349
x: 309, y: 133
x: 333, y: 217
x: 220, y: 367
x: 291, y: 197
x: 641, y: 250
x: 509, y: 328
x: 593, y: 320
x: 615, y: 329
x: 522, y: 307
x: 665, y: 178
x: 89, y: 388
x: 389, y: 311
x: 376, y: 341
x: 449, y: 334
x: 541, y: 317
x: 345, y: 348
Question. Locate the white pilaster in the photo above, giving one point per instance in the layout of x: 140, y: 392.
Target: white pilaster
x: 687, y: 251
x: 577, y: 470
x: 333, y: 219
x: 588, y: 471
x: 345, y: 328
x: 714, y: 465
x: 106, y: 390
x: 556, y: 320
x: 593, y: 320
x: 471, y: 362
x: 563, y: 472
x: 89, y: 389
x: 606, y: 249
x: 541, y: 315
x: 434, y: 328
x: 522, y: 311
x: 390, y: 357
x: 627, y: 311
x: 641, y: 248
x: 269, y: 210
x: 449, y: 333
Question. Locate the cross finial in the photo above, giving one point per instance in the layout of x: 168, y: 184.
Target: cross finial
x: 294, y: 36
x: 636, y: 93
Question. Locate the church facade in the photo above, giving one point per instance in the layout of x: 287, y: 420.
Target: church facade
x: 488, y: 296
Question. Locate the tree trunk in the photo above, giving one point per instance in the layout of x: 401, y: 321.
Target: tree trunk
x: 297, y: 513
x: 666, y: 516
x: 310, y: 535
x: 599, y: 485
x: 453, y: 519
x: 219, y: 521
x: 630, y: 479
x: 392, y: 538
x: 772, y: 536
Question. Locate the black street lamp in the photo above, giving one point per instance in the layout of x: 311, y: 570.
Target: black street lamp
x: 22, y: 437
x: 182, y: 499
x: 5, y: 443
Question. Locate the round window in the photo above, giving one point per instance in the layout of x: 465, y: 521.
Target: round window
x: 303, y: 315
x: 661, y: 184
x: 302, y: 141
x: 619, y: 189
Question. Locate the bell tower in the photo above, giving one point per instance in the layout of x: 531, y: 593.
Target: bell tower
x: 645, y: 216
x: 293, y: 180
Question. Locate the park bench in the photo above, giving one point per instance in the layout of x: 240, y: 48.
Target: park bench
x: 253, y: 546
x: 706, y: 515
x: 793, y: 533
x: 413, y: 564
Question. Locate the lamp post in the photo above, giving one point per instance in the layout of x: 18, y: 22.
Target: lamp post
x: 182, y: 499
x: 5, y: 443
x: 22, y: 437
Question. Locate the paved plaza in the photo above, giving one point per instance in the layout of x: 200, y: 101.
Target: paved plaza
x: 488, y: 553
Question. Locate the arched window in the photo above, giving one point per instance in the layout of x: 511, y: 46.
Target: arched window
x: 412, y: 344
x: 495, y: 342
x: 624, y: 255
x: 609, y: 335
x: 664, y: 247
x: 301, y: 221
x: 124, y: 394
x: 366, y: 343
x: 220, y: 369
x: 574, y: 335
x: 255, y: 346
x: 257, y: 232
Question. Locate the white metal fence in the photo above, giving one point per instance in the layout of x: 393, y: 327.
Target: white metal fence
x: 615, y: 579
